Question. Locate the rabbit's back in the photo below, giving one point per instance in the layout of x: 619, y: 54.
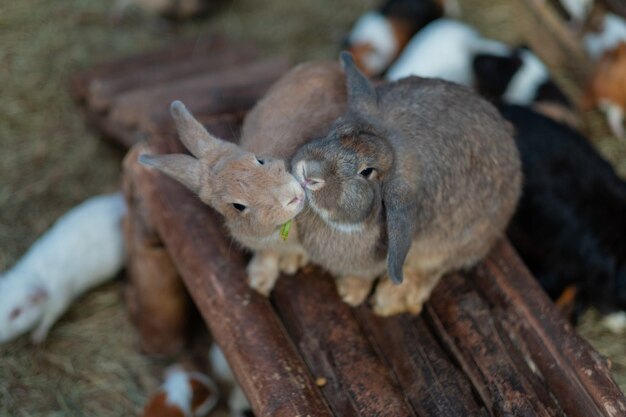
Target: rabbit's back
x: 460, y: 153
x: 301, y: 106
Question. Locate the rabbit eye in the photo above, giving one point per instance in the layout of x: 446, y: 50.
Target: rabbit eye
x: 367, y: 172
x: 260, y: 161
x: 239, y: 207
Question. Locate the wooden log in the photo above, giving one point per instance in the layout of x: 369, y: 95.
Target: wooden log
x: 159, y: 305
x: 465, y: 322
x: 432, y: 383
x: 556, y: 44
x: 198, y: 46
x: 262, y: 357
x: 327, y: 334
x: 569, y: 365
x: 103, y: 90
x: 222, y: 91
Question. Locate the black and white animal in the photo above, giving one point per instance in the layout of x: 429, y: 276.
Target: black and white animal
x: 570, y: 224
x: 444, y: 49
x: 84, y: 248
x: 378, y: 37
x: 520, y: 77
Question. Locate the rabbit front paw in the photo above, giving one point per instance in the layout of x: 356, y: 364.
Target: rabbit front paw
x: 353, y: 290
x: 290, y: 262
x: 263, y: 272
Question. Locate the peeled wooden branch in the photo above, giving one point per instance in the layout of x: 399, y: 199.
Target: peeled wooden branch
x: 103, y: 90
x: 242, y: 322
x: 158, y: 303
x: 567, y: 362
x: 432, y: 383
x: 326, y: 332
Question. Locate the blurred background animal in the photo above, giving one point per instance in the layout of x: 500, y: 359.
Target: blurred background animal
x: 183, y: 394
x: 83, y: 249
x: 378, y: 37
x: 423, y: 54
x: 520, y: 77
x: 570, y: 224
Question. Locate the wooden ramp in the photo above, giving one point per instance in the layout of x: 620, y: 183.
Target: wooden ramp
x: 489, y: 342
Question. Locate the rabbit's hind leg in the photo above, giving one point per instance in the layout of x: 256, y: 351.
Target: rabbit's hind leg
x: 408, y: 297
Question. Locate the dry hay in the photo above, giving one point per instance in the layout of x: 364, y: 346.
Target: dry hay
x: 49, y: 161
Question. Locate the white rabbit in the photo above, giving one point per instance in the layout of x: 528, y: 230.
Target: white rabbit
x: 84, y: 248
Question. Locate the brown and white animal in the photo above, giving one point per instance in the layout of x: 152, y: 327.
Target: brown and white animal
x: 249, y: 184
x: 420, y: 170
x: 183, y: 394
x: 607, y: 88
x: 378, y: 37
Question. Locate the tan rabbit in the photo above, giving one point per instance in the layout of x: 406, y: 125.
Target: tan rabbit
x: 249, y: 184
x: 255, y: 195
x: 419, y: 167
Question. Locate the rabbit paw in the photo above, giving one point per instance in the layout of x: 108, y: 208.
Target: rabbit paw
x: 353, y: 290
x: 289, y: 263
x: 263, y: 273
x: 391, y: 299
x: 408, y: 297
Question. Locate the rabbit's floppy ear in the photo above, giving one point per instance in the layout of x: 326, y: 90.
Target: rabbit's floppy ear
x: 362, y: 96
x: 191, y: 132
x: 183, y: 168
x: 401, y: 211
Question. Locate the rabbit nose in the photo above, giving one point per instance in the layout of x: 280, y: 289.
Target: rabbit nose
x: 298, y: 196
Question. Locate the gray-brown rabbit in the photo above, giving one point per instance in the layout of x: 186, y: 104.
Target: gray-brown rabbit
x: 418, y: 167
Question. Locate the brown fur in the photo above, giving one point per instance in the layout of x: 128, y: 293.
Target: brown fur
x: 449, y: 179
x: 608, y: 82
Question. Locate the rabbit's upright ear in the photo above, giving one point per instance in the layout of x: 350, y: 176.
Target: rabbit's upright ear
x: 191, y: 132
x: 401, y: 211
x: 183, y: 168
x: 362, y: 96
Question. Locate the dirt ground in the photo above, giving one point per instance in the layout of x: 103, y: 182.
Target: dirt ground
x: 49, y: 162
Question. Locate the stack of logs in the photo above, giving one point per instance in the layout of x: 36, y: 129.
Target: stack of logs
x: 489, y: 342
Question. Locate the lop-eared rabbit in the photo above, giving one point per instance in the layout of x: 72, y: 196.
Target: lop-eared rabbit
x: 420, y: 170
x: 249, y: 184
